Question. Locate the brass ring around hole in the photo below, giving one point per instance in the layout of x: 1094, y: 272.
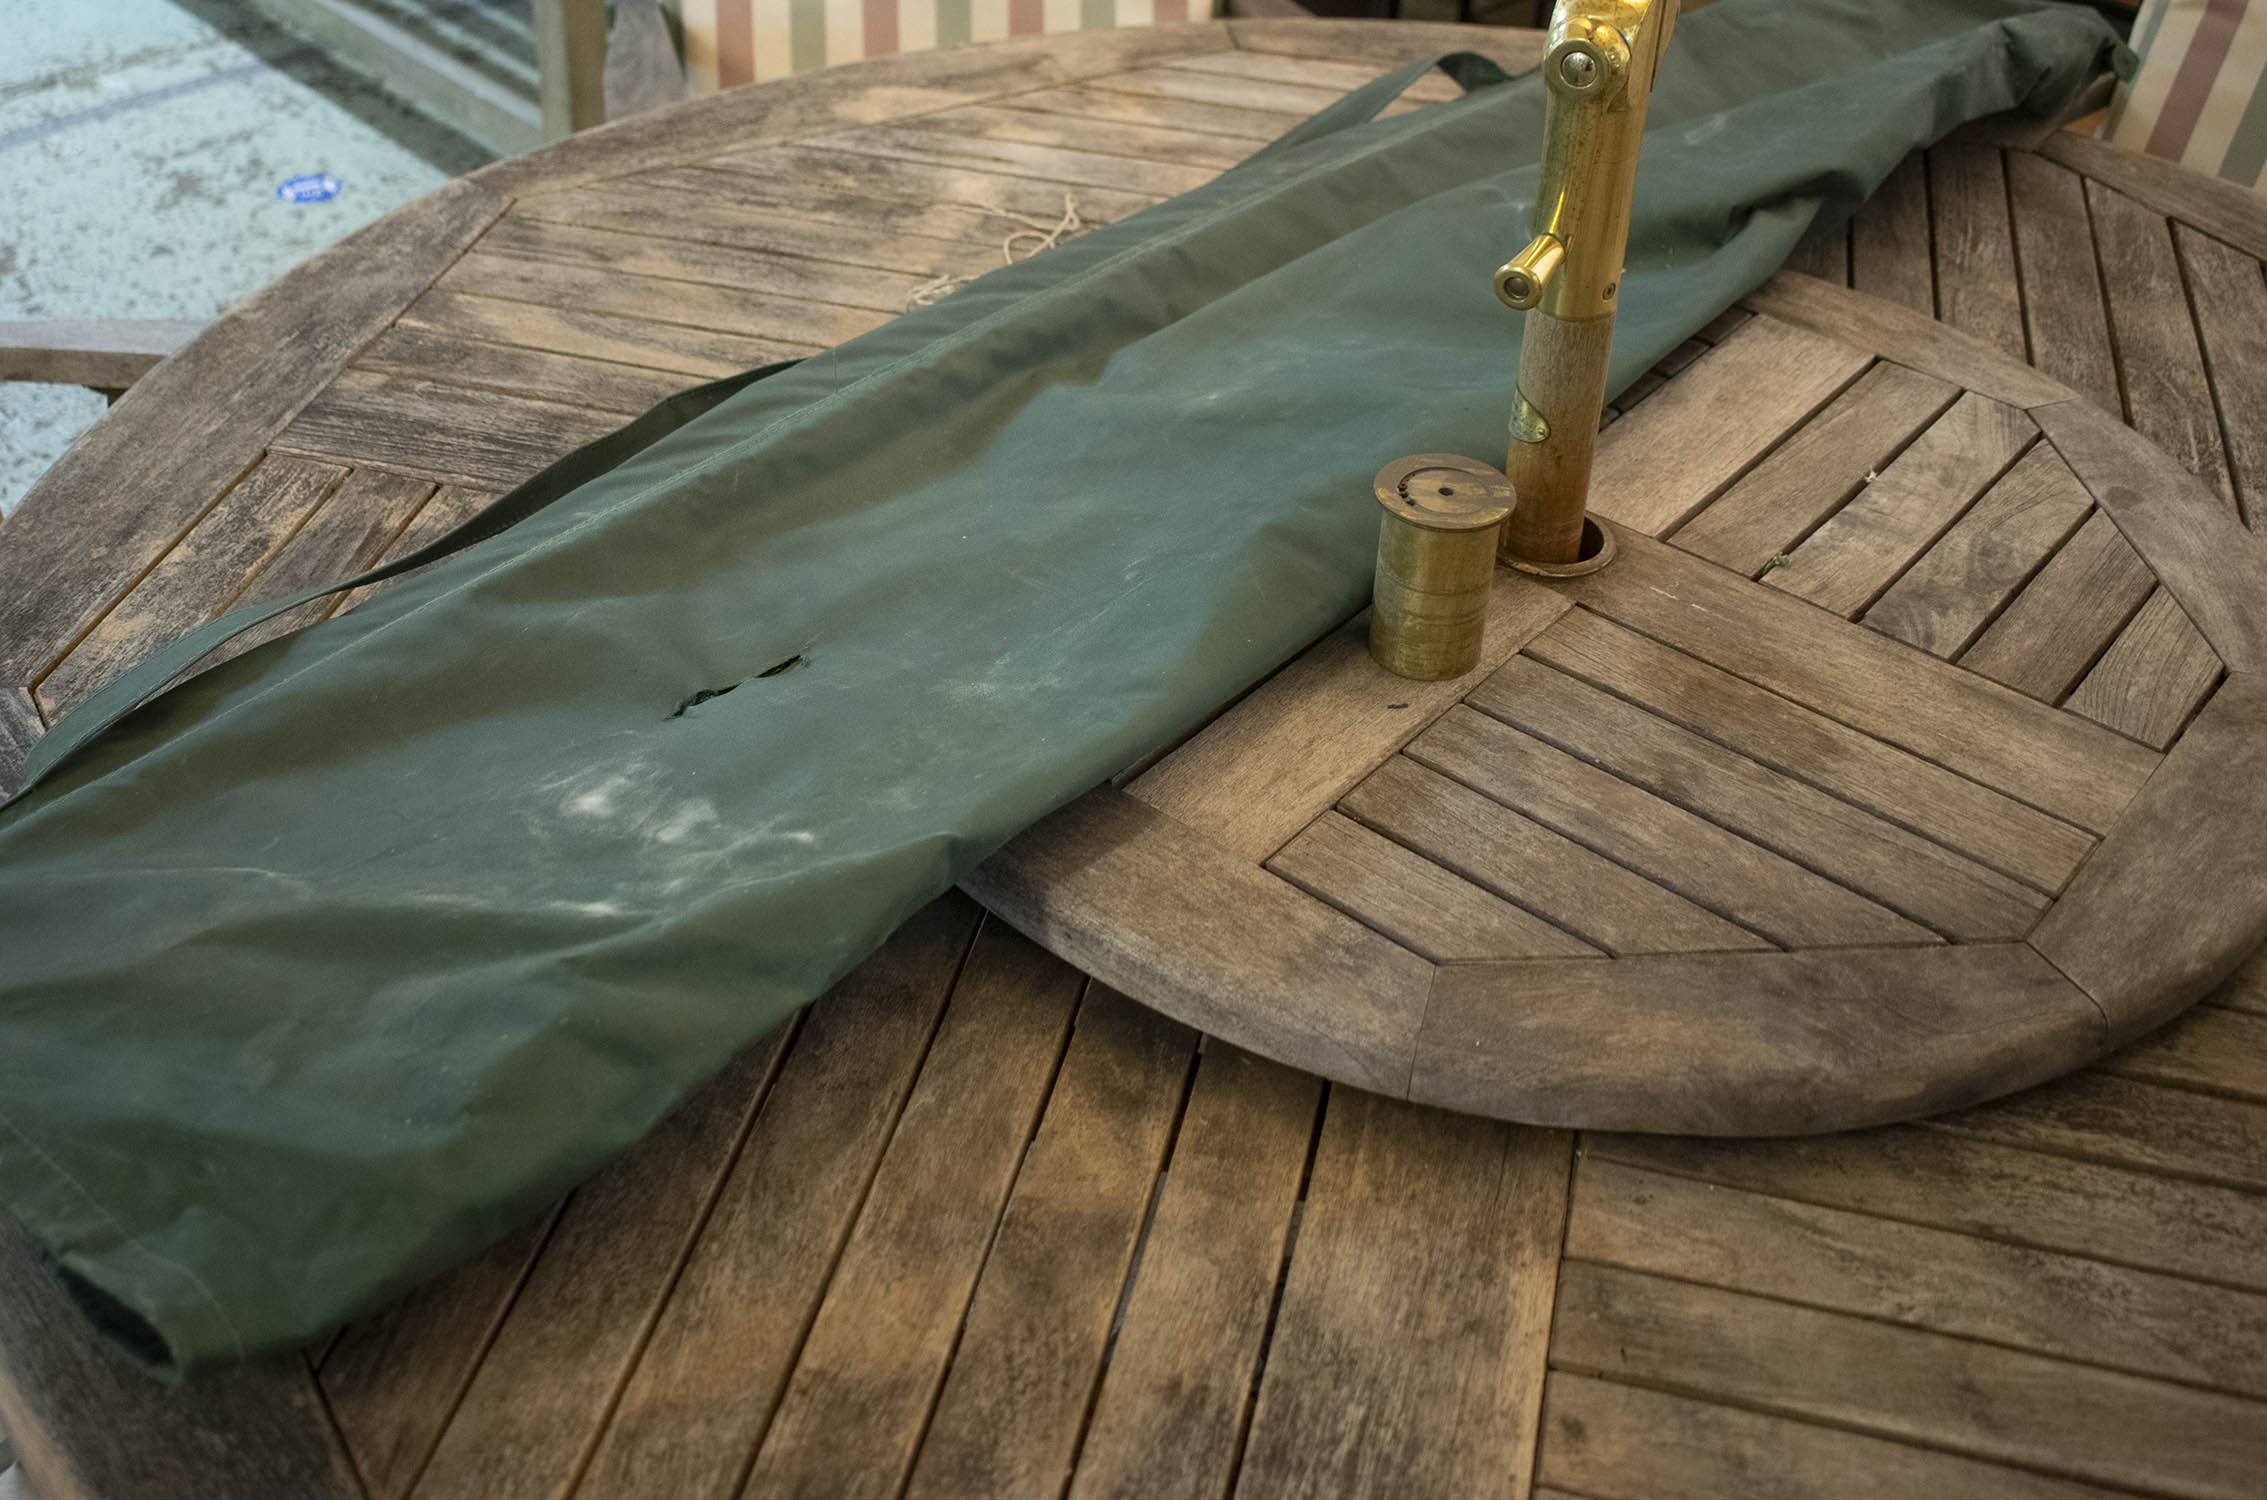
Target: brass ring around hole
x: 1597, y: 551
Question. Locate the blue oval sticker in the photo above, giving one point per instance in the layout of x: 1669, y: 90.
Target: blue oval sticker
x: 309, y: 187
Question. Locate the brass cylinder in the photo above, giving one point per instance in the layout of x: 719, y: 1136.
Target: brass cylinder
x: 1436, y: 562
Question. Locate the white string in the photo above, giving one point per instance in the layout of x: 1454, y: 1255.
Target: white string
x: 1041, y: 236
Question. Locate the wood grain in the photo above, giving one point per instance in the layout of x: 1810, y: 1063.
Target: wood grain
x: 2062, y: 765
x: 1749, y: 1043
x: 20, y: 725
x: 1809, y: 476
x: 604, y: 385
x: 2230, y: 299
x: 2067, y: 1306
x: 422, y: 427
x: 2189, y: 538
x: 2153, y: 676
x: 2095, y: 1115
x: 1272, y: 764
x: 1889, y: 240
x: 2063, y: 312
x: 702, y: 264
x: 915, y: 185
x: 1906, y: 336
x: 1545, y: 872
x: 1014, y: 1406
x: 1408, y: 1353
x: 1952, y: 810
x: 1170, y: 1418
x: 1866, y: 545
x: 658, y: 299
x: 705, y: 1386
x: 851, y: 1417
x: 1157, y: 911
x: 1661, y: 463
x: 1968, y: 1397
x: 2210, y: 1048
x: 1624, y: 1442
x: 595, y: 335
x: 1412, y: 900
x: 108, y: 509
x: 2176, y: 896
x: 1905, y: 872
x: 1944, y: 601
x: 2047, y: 638
x: 1700, y: 860
x: 2221, y: 209
x: 2168, y: 398
x: 1974, y: 242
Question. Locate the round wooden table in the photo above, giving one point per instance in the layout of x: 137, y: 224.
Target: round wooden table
x: 976, y: 1225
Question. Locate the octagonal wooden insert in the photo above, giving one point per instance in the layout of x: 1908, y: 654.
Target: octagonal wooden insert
x: 1914, y: 751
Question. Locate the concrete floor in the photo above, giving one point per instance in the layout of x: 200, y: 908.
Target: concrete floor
x: 141, y: 143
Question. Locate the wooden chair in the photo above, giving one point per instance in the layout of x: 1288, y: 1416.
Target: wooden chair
x: 105, y: 355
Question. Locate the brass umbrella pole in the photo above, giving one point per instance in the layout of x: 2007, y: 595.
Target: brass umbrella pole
x: 1599, y: 70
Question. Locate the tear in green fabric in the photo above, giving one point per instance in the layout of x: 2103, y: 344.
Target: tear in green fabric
x: 330, y: 966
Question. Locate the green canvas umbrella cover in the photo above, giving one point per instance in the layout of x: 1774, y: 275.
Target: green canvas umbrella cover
x: 333, y: 964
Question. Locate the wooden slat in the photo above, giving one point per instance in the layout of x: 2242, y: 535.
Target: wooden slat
x: 703, y: 264
x: 2136, y: 1218
x: 1178, y: 144
x: 781, y: 213
x: 1057, y: 164
x: 1381, y: 47
x: 2230, y: 297
x: 2062, y: 765
x: 1236, y: 122
x: 1749, y: 1043
x: 655, y: 299
x: 2168, y: 399
x: 2066, y: 616
x: 1975, y: 245
x: 1541, y: 870
x: 2141, y: 1322
x: 1317, y: 72
x: 144, y: 474
x: 1170, y: 1418
x: 1906, y: 336
x: 1271, y: 765
x: 1619, y: 1442
x: 1849, y: 561
x: 1654, y: 836
x: 108, y: 354
x: 357, y: 524
x: 426, y: 428
x: 1912, y: 875
x: 1889, y: 240
x: 1950, y: 809
x: 451, y: 506
x: 1959, y: 585
x: 86, y: 1423
x: 20, y: 725
x: 1809, y: 476
x: 1013, y: 1408
x: 1971, y: 1398
x: 2153, y: 676
x: 591, y: 1298
x: 1658, y: 466
x: 813, y: 103
x: 1824, y: 253
x: 706, y: 1383
x: 913, y: 183
x: 650, y: 345
x: 2098, y: 1116
x: 2176, y: 896
x: 1210, y: 88
x: 1412, y: 900
x: 2221, y: 209
x: 2212, y: 1048
x: 2190, y: 539
x: 1419, y: 1297
x: 392, y: 1380
x: 2063, y: 313
x: 196, y: 579
x: 1167, y: 917
x: 477, y: 365
x: 853, y: 1411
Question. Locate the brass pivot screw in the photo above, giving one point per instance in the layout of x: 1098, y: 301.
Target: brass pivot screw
x: 1436, y: 562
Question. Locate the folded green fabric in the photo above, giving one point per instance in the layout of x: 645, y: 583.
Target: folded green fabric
x: 333, y: 964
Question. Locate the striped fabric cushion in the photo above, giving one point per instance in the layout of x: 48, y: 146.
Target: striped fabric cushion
x: 730, y: 42
x: 2198, y: 98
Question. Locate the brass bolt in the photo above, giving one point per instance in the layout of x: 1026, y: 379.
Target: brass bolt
x: 1578, y: 70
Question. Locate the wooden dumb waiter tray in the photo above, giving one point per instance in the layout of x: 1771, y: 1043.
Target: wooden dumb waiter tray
x: 1901, y: 744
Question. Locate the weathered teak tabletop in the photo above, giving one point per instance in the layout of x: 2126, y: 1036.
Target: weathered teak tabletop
x: 976, y: 1226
